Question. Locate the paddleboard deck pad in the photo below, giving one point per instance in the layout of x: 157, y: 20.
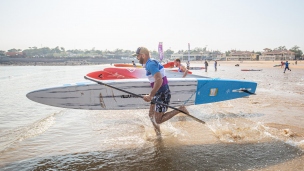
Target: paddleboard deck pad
x: 184, y: 91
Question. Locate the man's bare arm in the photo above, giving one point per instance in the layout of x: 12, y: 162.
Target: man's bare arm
x: 185, y: 70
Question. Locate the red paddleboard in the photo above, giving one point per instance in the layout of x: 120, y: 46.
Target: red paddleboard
x: 118, y: 73
x: 123, y: 73
x: 127, y: 65
x: 104, y: 75
x: 251, y: 69
x: 169, y: 65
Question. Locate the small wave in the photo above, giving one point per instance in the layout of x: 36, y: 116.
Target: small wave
x: 126, y: 140
x: 10, y: 137
x: 237, y: 130
x: 241, y: 130
x: 289, y: 134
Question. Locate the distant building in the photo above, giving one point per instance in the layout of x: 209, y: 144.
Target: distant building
x: 197, y: 56
x: 241, y: 56
x: 278, y: 55
x: 15, y: 54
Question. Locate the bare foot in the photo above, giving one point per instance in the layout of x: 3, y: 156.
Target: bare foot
x: 157, y: 131
x: 156, y: 126
x: 183, y: 108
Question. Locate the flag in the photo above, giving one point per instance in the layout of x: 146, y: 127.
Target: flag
x: 160, y: 51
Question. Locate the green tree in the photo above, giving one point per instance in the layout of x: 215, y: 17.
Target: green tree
x: 62, y: 49
x: 87, y: 52
x: 197, y: 49
x: 99, y: 52
x: 281, y: 48
x: 45, y: 51
x: 168, y: 53
x: 118, y: 51
x: 13, y: 50
x: 259, y: 53
x: 2, y: 53
x: 154, y: 53
x: 297, y: 51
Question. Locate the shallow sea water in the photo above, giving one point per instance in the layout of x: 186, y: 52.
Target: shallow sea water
x: 262, y: 132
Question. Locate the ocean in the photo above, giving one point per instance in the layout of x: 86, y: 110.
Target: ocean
x: 261, y: 132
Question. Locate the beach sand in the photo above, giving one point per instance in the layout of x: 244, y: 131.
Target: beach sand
x: 254, y: 64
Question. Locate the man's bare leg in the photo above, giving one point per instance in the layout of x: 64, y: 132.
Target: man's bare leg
x: 152, y: 118
x: 162, y: 117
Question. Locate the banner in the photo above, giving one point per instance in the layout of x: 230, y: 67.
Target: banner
x: 188, y: 62
x: 160, y: 51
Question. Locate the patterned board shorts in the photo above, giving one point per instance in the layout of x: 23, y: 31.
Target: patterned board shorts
x: 163, y: 95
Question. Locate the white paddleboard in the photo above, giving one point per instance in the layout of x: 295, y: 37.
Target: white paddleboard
x: 184, y: 91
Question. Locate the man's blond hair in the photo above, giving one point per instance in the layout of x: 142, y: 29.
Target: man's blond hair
x: 144, y: 50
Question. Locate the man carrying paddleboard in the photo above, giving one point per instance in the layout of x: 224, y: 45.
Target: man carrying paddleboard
x: 181, y: 68
x: 160, y: 90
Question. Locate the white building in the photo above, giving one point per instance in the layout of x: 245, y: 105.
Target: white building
x: 197, y: 56
x: 241, y: 56
x: 271, y: 55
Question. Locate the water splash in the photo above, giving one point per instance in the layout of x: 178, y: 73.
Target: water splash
x: 237, y: 130
x: 242, y: 130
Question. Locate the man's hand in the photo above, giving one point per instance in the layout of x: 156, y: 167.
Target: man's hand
x: 147, y: 98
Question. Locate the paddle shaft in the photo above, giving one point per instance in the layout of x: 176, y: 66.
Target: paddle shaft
x: 136, y: 95
x: 246, y: 91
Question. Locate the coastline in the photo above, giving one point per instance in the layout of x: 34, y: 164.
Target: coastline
x: 71, y: 61
x: 75, y: 61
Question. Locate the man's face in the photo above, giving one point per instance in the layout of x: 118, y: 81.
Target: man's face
x: 140, y: 58
x: 176, y: 64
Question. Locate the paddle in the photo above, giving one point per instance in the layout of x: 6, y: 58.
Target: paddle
x: 246, y: 91
x: 136, y: 95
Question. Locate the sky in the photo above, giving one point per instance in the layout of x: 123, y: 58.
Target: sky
x: 127, y: 24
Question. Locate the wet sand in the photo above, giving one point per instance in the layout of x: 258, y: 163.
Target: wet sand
x: 279, y: 102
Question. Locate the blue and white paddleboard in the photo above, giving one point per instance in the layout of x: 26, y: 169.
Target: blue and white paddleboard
x: 184, y: 91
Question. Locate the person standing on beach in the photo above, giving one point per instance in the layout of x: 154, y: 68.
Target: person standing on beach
x: 188, y: 64
x: 134, y: 64
x: 181, y: 68
x: 206, y: 65
x: 286, y: 66
x: 160, y: 90
x: 215, y: 65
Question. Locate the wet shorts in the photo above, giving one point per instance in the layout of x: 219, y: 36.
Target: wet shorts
x: 163, y: 95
